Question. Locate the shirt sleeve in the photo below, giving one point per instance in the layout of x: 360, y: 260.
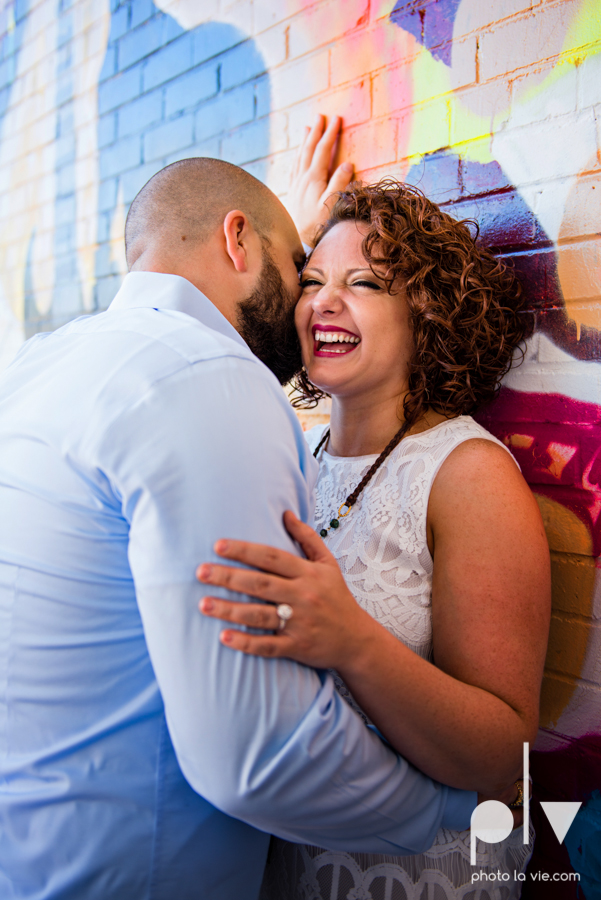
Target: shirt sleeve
x: 213, y: 452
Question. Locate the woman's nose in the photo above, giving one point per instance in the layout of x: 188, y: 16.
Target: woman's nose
x: 327, y: 301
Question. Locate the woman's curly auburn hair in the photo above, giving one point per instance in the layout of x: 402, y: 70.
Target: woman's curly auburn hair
x: 464, y: 304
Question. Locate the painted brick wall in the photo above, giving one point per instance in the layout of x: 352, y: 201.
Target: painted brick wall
x: 493, y: 107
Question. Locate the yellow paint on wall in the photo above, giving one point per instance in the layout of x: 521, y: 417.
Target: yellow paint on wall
x: 573, y: 579
x: 568, y: 641
x: 584, y: 31
x: 556, y: 694
x: 567, y: 646
x: 440, y: 118
x: 573, y: 582
x: 566, y: 533
x: 579, y: 250
x: 524, y: 441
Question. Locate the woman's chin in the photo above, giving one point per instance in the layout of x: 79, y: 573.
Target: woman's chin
x: 316, y: 376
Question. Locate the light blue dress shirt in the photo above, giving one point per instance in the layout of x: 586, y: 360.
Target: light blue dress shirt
x: 139, y: 758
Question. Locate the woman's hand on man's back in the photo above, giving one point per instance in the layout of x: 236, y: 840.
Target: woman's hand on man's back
x: 327, y: 627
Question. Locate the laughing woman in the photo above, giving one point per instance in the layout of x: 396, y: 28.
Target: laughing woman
x: 426, y: 588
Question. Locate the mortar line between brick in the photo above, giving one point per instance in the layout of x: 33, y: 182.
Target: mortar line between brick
x: 572, y: 680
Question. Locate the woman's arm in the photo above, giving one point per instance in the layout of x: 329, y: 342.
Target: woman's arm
x: 464, y: 719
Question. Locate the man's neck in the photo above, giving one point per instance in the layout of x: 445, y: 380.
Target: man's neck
x: 200, y: 276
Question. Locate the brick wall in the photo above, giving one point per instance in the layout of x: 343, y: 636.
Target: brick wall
x: 493, y: 107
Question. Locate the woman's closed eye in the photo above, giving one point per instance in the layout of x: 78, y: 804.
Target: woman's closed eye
x: 374, y: 286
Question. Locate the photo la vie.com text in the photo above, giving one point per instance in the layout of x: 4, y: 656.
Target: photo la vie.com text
x: 492, y: 822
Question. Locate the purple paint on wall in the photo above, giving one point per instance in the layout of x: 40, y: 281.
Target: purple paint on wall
x: 430, y: 22
x: 571, y: 773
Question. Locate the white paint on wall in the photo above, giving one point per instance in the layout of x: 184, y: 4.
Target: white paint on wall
x: 28, y: 160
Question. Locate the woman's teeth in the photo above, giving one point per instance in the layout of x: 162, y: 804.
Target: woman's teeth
x: 335, y: 337
x: 332, y: 337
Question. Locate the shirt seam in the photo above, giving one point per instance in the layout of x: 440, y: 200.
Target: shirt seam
x: 186, y: 365
x: 159, y: 798
x: 235, y: 352
x: 9, y: 655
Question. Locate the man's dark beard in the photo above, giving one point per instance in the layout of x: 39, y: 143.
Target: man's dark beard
x: 266, y: 322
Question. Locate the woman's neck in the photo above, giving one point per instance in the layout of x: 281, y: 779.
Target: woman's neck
x: 364, y: 429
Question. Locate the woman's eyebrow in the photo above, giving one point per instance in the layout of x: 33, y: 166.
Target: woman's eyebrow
x: 348, y: 272
x: 369, y: 271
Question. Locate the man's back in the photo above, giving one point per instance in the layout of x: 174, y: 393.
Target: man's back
x: 129, y: 443
x: 89, y: 776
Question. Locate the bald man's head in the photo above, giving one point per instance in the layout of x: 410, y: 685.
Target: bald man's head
x: 187, y: 201
x: 215, y: 225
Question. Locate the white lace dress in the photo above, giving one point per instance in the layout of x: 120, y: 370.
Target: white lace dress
x: 383, y: 553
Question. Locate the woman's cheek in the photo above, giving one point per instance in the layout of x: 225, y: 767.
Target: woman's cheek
x: 300, y: 314
x: 306, y: 354
x: 301, y: 317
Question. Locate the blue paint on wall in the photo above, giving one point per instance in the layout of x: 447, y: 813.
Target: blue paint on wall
x: 13, y: 20
x: 67, y: 299
x: 165, y: 94
x: 583, y: 842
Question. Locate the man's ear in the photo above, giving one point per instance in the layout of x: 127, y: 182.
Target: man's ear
x: 236, y: 229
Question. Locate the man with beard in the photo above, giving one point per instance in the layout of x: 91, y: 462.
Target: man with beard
x: 141, y: 759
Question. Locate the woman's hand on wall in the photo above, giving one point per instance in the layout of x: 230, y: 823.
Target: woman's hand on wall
x: 314, y: 180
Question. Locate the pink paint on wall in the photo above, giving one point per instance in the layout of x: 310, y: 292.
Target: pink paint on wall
x: 557, y: 443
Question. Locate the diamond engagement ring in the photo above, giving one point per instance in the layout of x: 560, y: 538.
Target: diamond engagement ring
x: 285, y: 612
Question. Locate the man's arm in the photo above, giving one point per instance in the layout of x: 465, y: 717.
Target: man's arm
x: 213, y: 451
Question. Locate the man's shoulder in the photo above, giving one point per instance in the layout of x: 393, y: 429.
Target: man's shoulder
x: 100, y: 366
x: 136, y: 349
x: 162, y: 331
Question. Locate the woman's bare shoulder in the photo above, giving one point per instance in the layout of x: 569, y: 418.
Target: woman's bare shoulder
x: 480, y: 482
x: 479, y: 457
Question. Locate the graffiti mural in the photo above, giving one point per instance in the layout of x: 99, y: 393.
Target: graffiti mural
x: 126, y: 90
x: 492, y: 107
x: 166, y: 93
x: 552, y: 431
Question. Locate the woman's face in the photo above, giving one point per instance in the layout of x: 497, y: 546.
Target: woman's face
x: 354, y: 335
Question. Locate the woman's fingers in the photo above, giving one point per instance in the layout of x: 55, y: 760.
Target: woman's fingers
x: 312, y: 545
x: 245, y: 581
x: 322, y: 156
x: 340, y: 179
x: 255, y: 615
x: 260, y: 556
x: 256, y: 644
x: 297, y: 161
x: 310, y: 143
x: 310, y: 184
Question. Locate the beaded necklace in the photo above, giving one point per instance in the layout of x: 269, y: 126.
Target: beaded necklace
x: 354, y: 496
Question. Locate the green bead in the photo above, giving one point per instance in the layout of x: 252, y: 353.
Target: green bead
x: 323, y: 533
x: 334, y: 523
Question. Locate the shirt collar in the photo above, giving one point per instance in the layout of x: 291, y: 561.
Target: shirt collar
x: 158, y: 290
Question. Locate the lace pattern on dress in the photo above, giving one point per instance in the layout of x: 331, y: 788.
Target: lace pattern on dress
x: 296, y: 872
x: 382, y: 550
